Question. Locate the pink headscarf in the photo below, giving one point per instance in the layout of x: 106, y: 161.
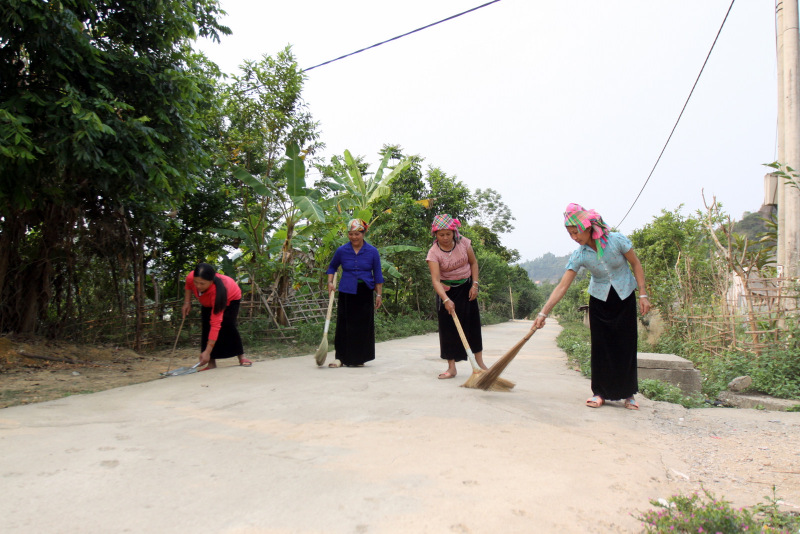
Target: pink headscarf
x: 577, y: 215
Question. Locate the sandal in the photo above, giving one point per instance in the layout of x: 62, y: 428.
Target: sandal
x: 446, y: 375
x: 244, y: 362
x: 631, y: 404
x: 595, y: 402
x: 335, y: 364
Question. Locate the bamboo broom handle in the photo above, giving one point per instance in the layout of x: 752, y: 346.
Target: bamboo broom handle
x: 471, y: 357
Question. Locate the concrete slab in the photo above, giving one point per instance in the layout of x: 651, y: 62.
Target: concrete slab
x: 671, y: 369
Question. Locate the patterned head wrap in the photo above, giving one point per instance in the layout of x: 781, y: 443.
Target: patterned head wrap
x: 357, y: 225
x: 577, y: 215
x: 444, y: 222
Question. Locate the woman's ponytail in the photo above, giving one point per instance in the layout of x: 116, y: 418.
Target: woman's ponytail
x: 207, y: 272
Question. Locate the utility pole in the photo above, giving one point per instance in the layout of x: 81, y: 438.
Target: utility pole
x: 788, y: 42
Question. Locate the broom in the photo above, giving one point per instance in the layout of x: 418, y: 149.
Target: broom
x: 322, y: 350
x: 172, y: 354
x: 500, y: 384
x: 487, y: 378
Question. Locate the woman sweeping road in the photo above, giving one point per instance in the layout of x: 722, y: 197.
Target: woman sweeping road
x: 220, y: 297
x: 454, y: 274
x: 612, y: 304
x: 355, y: 315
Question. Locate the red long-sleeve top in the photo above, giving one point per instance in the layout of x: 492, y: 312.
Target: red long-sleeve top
x: 208, y: 297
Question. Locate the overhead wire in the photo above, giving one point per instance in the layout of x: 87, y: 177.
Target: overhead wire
x: 403, y: 35
x: 679, y: 116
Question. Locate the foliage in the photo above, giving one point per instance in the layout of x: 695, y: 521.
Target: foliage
x: 492, y: 212
x: 100, y: 135
x: 678, y: 260
x: 574, y: 339
x: 695, y: 513
x: 776, y: 372
x: 657, y: 390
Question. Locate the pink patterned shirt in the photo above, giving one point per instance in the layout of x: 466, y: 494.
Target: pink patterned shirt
x: 455, y: 264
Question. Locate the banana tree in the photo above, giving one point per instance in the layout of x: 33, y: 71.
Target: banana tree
x: 359, y: 195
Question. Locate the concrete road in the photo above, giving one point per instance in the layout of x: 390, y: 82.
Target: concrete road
x: 287, y: 447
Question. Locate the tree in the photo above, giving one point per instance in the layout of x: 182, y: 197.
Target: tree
x: 98, y: 129
x: 492, y: 212
x: 263, y: 114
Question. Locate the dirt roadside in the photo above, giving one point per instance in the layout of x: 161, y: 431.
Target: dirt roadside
x: 35, y: 370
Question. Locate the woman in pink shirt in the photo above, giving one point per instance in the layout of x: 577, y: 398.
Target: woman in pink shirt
x: 220, y: 297
x: 454, y: 273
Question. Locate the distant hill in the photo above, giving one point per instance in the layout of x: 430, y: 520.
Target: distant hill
x: 547, y: 268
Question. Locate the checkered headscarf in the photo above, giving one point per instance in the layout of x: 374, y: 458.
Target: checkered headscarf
x: 444, y: 222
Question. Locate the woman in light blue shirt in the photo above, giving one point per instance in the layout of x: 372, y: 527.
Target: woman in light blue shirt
x: 616, y: 273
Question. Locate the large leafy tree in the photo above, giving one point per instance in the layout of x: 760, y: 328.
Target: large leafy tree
x: 99, y: 132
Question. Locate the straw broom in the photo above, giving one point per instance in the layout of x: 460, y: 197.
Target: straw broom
x: 488, y: 378
x: 172, y: 354
x: 322, y: 350
x: 499, y: 384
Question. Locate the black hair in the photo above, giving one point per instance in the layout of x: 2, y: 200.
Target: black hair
x: 207, y: 272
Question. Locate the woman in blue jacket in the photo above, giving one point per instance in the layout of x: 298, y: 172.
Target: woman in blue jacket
x: 355, y: 316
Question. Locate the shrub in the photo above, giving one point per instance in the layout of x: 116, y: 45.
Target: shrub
x: 701, y: 514
x: 661, y: 391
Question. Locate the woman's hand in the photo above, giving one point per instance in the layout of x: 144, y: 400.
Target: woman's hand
x: 644, y: 305
x: 205, y: 356
x: 473, y: 292
x: 186, y: 308
x: 450, y: 306
x: 539, y: 321
x: 378, y: 301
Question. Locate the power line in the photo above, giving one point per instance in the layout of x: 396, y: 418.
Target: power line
x: 680, y: 115
x: 403, y: 35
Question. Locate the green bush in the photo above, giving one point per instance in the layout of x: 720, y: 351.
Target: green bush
x: 575, y: 340
x: 393, y: 327
x: 695, y: 513
x: 661, y: 391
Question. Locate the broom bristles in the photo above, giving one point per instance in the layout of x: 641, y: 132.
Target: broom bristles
x: 489, y: 378
x: 499, y: 384
x: 322, y: 353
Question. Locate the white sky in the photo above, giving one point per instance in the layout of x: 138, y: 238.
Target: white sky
x: 548, y: 102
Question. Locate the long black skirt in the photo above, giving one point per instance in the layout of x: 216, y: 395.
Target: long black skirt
x: 229, y: 342
x: 450, y: 345
x: 355, y: 327
x: 614, y: 346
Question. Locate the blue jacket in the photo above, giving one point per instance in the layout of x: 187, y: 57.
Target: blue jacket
x: 366, y: 266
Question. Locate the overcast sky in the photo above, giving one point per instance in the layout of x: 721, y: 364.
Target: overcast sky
x: 548, y: 102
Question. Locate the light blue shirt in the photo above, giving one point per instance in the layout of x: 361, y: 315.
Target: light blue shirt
x: 610, y: 270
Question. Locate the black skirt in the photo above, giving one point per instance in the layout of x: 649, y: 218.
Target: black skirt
x: 469, y: 315
x: 355, y: 327
x: 614, y: 346
x: 229, y: 342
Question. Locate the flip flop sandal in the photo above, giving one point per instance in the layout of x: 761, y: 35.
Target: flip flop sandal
x: 446, y: 375
x: 245, y: 362
x: 595, y: 402
x: 631, y: 404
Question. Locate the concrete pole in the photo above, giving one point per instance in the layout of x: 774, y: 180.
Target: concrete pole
x: 791, y: 100
x: 780, y: 200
